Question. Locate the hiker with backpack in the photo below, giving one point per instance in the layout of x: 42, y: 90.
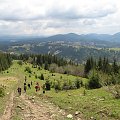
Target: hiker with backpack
x: 19, y: 91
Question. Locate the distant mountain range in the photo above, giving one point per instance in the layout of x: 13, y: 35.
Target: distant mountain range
x: 87, y: 37
x: 70, y: 46
x: 66, y: 37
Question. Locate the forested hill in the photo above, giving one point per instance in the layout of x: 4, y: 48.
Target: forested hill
x: 70, y: 46
x: 5, y: 61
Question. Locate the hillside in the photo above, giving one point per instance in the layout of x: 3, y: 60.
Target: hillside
x: 70, y: 46
x: 81, y: 103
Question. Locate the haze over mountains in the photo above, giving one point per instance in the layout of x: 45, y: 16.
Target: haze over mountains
x: 66, y: 37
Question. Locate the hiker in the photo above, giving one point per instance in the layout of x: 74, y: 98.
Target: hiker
x: 25, y: 88
x: 29, y: 86
x: 37, y: 87
x: 24, y: 83
x: 19, y: 91
x: 43, y: 87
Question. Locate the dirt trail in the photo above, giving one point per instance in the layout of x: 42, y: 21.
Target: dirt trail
x: 34, y: 111
x: 29, y: 109
x: 40, y: 110
x: 8, y: 110
x: 26, y: 107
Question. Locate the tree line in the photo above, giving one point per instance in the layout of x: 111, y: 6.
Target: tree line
x: 43, y: 60
x: 102, y: 64
x: 5, y: 61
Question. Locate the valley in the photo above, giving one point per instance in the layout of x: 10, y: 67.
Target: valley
x: 69, y: 46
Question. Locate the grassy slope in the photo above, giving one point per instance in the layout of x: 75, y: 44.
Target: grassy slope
x: 10, y: 86
x: 97, y: 103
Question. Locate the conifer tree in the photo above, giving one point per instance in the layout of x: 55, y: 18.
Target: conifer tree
x: 115, y: 67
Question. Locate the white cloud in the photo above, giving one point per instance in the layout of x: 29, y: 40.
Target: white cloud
x: 52, y: 16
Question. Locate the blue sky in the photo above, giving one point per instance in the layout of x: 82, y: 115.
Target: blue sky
x: 49, y: 17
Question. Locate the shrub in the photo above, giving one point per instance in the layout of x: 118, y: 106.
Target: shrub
x: 65, y: 72
x: 2, y: 92
x: 28, y: 69
x: 94, y: 82
x: 47, y: 84
x: 65, y: 86
x: 78, y: 83
x: 42, y: 77
x: 36, y: 76
x: 112, y: 80
x: 39, y: 68
x: 57, y: 85
x: 19, y: 62
x: 115, y: 90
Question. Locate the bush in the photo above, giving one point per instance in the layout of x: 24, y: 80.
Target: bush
x: 29, y: 75
x: 65, y: 72
x: 65, y: 86
x: 19, y: 62
x: 28, y: 69
x: 112, y: 80
x: 2, y: 92
x: 36, y: 76
x: 42, y: 77
x: 78, y: 83
x: 115, y: 90
x: 39, y: 68
x: 47, y: 85
x: 39, y: 77
x: 57, y: 85
x: 94, y: 82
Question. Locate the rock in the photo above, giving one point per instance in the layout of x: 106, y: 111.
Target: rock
x: 69, y: 94
x: 70, y: 116
x: 92, y: 118
x: 33, y: 101
x: 70, y: 108
x: 33, y: 97
x: 22, y: 108
x: 77, y: 112
x: 53, y: 116
x: 30, y: 98
x: 101, y: 99
x: 79, y: 119
x: 41, y: 105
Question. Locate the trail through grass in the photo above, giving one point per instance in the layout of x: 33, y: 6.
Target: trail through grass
x: 98, y: 103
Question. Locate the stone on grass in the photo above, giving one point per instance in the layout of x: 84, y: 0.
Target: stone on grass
x: 70, y: 116
x: 77, y: 112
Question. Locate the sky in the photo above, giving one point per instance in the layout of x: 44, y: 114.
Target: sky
x: 50, y: 17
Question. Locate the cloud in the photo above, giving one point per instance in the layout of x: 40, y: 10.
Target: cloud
x: 53, y: 16
x: 20, y: 11
x: 80, y: 13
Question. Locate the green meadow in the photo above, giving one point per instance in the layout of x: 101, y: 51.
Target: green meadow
x: 98, y: 103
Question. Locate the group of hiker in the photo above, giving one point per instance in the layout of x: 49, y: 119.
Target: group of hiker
x: 37, y: 87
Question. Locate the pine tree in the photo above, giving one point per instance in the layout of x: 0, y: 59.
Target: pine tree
x: 99, y: 66
x: 115, y: 67
x: 42, y: 77
x: 46, y: 66
x: 87, y: 67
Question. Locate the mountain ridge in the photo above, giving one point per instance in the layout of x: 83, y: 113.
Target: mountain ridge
x: 67, y: 37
